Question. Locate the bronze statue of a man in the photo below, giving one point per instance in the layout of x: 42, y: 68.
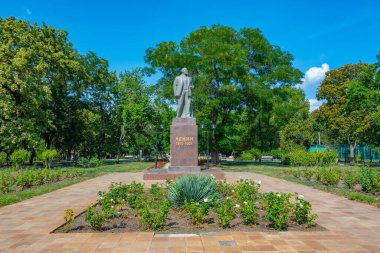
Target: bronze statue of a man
x: 182, y: 91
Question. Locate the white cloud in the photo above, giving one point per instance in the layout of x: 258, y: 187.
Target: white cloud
x: 28, y: 11
x: 314, y: 104
x: 314, y: 76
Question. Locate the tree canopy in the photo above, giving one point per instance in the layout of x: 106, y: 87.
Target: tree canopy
x: 243, y: 84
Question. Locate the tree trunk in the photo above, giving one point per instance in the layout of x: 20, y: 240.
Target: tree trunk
x: 352, y: 151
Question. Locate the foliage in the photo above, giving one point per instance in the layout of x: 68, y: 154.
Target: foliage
x: 347, y: 105
x: 224, y: 188
x: 350, y: 178
x: 246, y: 156
x: 154, y: 215
x: 302, y: 211
x: 94, y: 218
x: 242, y: 83
x: 246, y: 190
x: 249, y: 212
x: 278, y: 209
x: 298, y: 157
x: 369, y: 180
x: 198, y: 211
x: 49, y: 155
x: 308, y: 174
x: 19, y: 157
x: 226, y: 212
x: 328, y: 176
x: 314, y: 158
x: 3, y: 157
x: 89, y: 163
x: 192, y: 188
x: 69, y: 219
x: 296, y: 134
x: 11, y: 181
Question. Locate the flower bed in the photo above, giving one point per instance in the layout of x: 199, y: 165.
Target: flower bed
x: 364, y: 179
x: 19, y: 180
x: 193, y: 204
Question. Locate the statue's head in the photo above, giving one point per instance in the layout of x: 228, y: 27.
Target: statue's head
x: 184, y: 71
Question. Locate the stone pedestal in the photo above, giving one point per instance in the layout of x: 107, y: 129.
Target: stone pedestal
x: 184, y: 146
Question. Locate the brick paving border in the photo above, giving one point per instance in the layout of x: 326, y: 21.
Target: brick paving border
x: 26, y: 226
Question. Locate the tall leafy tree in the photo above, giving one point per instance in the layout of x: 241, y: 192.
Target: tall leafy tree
x: 230, y: 68
x: 343, y: 119
x: 36, y: 62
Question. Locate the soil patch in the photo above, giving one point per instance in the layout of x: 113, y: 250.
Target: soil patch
x: 179, y: 223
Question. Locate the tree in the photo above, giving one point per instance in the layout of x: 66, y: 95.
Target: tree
x: 297, y: 134
x: 134, y: 109
x: 228, y: 66
x: 99, y: 96
x: 344, y: 120
x: 34, y: 67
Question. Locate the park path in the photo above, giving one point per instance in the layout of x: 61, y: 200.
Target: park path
x: 26, y: 226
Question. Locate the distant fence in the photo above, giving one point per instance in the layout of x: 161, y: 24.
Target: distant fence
x: 366, y: 153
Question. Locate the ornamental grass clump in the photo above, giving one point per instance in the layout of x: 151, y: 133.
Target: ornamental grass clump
x: 191, y: 188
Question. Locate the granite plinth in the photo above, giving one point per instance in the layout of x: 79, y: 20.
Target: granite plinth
x: 184, y: 145
x: 163, y: 174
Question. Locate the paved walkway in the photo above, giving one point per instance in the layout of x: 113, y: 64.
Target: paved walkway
x: 26, y: 226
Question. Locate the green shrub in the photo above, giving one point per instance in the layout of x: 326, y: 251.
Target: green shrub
x: 198, y: 211
x: 89, y: 163
x: 192, y: 188
x: 7, y: 181
x: 328, y: 176
x: 246, y: 156
x: 94, y: 218
x: 313, y: 158
x: 256, y: 153
x: 226, y: 212
x: 328, y: 157
x: 154, y: 215
x: 350, y: 178
x: 369, y: 180
x: 224, y: 188
x: 19, y: 157
x: 249, y: 212
x: 278, y: 209
x: 48, y: 155
x: 246, y: 190
x: 302, y: 211
x: 298, y: 158
x: 3, y: 157
x: 308, y: 174
x: 332, y: 176
x: 276, y: 153
x: 69, y: 219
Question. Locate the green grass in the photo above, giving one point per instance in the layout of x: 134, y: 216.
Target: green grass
x: 88, y: 173
x: 275, y: 170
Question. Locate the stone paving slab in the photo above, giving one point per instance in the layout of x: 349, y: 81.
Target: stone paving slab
x: 26, y: 226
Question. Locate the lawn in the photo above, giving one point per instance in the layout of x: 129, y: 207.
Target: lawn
x: 276, y: 170
x: 87, y: 173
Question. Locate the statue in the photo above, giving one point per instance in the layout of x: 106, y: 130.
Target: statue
x: 182, y: 91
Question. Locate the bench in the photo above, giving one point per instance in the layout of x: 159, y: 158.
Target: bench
x: 267, y: 158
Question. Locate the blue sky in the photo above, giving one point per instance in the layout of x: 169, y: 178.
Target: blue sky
x: 321, y: 35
